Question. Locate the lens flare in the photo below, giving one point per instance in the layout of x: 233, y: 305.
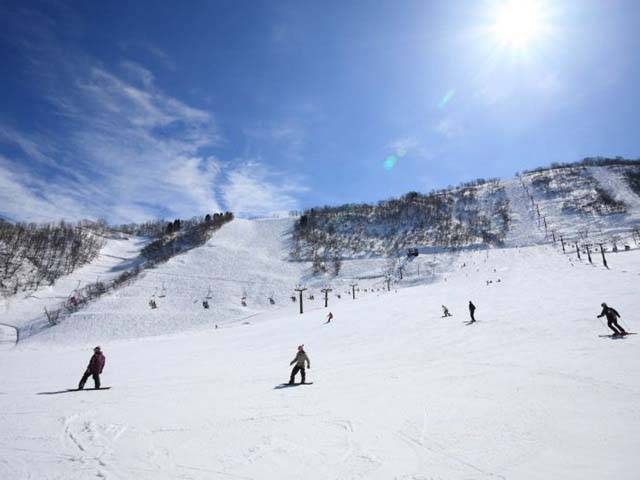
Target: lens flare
x: 446, y: 99
x: 390, y: 162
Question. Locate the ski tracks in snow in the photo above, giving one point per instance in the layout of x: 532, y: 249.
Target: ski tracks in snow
x: 356, y: 462
x: 92, y: 444
x: 425, y: 447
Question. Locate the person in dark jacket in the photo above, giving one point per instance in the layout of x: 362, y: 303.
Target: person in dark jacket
x: 472, y: 311
x: 329, y: 317
x: 94, y: 369
x: 300, y: 360
x: 612, y: 319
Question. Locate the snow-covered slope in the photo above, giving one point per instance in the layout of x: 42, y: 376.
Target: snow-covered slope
x: 528, y: 392
x: 244, y: 258
x: 587, y: 204
x: 115, y: 257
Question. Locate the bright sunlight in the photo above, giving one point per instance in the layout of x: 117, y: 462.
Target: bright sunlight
x: 519, y: 23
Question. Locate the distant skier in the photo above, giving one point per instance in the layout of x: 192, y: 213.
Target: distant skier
x: 612, y: 319
x: 153, y: 304
x: 329, y: 317
x: 94, y: 369
x: 445, y: 312
x: 472, y: 311
x: 205, y: 304
x: 300, y: 360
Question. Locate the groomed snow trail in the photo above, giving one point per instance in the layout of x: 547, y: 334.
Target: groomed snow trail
x: 528, y: 392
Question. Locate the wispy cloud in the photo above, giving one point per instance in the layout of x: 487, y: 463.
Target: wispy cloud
x: 255, y: 189
x: 130, y: 142
x: 125, y: 149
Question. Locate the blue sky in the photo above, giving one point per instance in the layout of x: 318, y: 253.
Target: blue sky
x: 137, y: 110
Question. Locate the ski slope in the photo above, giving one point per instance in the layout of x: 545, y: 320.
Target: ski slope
x: 530, y: 391
x: 118, y: 255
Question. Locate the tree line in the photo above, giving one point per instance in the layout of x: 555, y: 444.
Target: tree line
x: 477, y: 213
x: 32, y: 255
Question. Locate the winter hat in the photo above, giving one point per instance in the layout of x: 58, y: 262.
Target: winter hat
x: 301, y: 347
x: 603, y: 304
x: 97, y: 349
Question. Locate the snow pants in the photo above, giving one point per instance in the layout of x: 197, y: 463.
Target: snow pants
x: 87, y: 374
x: 613, y: 325
x: 295, y: 370
x: 472, y: 314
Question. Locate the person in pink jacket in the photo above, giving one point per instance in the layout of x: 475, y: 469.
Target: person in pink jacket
x: 94, y: 369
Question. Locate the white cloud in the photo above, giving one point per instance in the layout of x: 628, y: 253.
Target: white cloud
x: 126, y: 150
x: 128, y: 144
x: 254, y: 189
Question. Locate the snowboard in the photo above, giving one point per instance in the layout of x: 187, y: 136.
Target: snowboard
x: 69, y: 390
x: 286, y: 385
x: 86, y: 389
x: 617, y: 335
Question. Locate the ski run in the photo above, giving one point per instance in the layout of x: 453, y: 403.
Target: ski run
x: 529, y: 391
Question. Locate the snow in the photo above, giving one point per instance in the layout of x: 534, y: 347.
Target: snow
x: 577, y: 188
x: 115, y: 257
x: 521, y: 228
x: 530, y: 391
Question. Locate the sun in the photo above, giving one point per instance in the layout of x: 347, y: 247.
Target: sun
x: 518, y: 24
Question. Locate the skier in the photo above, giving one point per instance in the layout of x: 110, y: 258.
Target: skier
x: 94, y: 369
x: 612, y: 322
x: 329, y: 317
x: 472, y: 310
x: 301, y: 358
x: 152, y: 304
x: 445, y: 312
x: 205, y: 304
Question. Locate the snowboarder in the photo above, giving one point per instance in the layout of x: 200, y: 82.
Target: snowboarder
x: 329, y: 317
x: 472, y: 310
x: 300, y: 360
x: 94, y: 369
x: 612, y: 319
x: 445, y: 312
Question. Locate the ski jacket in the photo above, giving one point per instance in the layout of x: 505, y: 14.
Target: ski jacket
x: 611, y: 314
x: 472, y: 307
x: 301, y: 358
x: 96, y: 364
